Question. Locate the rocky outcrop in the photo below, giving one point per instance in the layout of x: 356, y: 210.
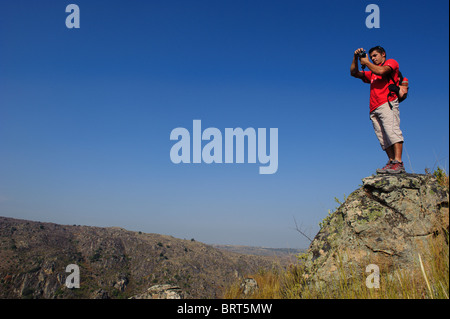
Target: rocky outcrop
x: 385, y: 222
x: 161, y: 292
x: 249, y: 286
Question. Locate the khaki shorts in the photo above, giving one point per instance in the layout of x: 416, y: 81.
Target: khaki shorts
x: 386, y: 123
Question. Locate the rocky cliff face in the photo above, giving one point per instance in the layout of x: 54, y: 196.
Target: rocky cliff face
x: 385, y: 222
x: 113, y: 262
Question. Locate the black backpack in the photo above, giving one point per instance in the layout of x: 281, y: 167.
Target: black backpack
x: 395, y: 87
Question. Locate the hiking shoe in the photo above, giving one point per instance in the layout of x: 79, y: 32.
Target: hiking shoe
x: 396, y: 168
x: 384, y: 170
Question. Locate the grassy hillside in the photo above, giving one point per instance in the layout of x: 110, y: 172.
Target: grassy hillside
x: 113, y: 262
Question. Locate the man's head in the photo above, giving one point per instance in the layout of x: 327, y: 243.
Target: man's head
x: 378, y: 55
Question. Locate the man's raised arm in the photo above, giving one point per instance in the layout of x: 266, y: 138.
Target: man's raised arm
x: 376, y: 69
x: 354, y: 71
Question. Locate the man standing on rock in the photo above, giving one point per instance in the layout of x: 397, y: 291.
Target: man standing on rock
x: 384, y: 111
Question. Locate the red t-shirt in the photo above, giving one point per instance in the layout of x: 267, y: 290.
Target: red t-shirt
x: 379, y: 85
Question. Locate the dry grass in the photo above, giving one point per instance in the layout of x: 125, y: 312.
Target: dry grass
x: 442, y: 177
x: 428, y: 280
x: 269, y: 283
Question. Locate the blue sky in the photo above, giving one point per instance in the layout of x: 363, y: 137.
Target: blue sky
x: 86, y: 114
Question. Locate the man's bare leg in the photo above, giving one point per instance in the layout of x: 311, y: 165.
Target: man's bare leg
x: 398, y: 150
x: 390, y: 153
x: 394, y: 152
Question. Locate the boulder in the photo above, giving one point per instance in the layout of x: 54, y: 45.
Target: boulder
x: 386, y: 221
x: 161, y: 292
x: 249, y: 286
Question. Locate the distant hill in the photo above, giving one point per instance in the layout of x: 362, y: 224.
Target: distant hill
x: 113, y: 262
x: 261, y: 251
